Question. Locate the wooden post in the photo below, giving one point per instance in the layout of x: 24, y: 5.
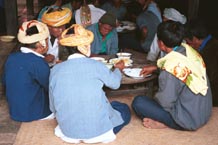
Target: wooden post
x: 11, y: 17
x: 30, y: 9
x: 193, y: 9
x: 41, y: 4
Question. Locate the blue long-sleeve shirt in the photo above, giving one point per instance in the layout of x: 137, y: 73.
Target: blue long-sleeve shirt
x: 26, y: 78
x: 78, y: 100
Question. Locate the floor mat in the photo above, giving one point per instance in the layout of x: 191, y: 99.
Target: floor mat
x: 42, y: 133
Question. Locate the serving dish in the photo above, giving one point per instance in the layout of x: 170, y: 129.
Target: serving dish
x: 7, y: 38
x: 99, y: 59
x: 124, y: 55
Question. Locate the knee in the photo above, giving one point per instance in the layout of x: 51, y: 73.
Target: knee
x: 137, y: 102
x: 123, y: 109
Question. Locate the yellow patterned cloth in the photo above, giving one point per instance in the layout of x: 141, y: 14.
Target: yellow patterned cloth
x: 190, y: 68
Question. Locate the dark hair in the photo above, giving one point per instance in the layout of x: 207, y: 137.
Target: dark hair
x: 171, y: 33
x: 197, y: 28
x: 32, y: 30
x: 32, y: 45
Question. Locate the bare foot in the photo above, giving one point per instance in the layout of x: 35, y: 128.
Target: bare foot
x: 150, y: 123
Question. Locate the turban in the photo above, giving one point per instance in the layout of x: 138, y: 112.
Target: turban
x: 77, y: 35
x: 174, y: 15
x: 56, y: 17
x: 32, y: 31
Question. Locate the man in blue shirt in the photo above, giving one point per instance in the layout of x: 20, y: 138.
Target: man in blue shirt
x: 76, y: 94
x: 26, y: 74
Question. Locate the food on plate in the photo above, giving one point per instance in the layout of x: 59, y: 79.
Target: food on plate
x: 127, y: 61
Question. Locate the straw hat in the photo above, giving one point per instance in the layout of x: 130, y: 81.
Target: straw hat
x: 56, y: 17
x: 77, y: 35
x: 32, y: 31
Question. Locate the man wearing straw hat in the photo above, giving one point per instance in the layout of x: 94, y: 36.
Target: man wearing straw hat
x: 26, y: 74
x: 56, y: 18
x: 77, y: 99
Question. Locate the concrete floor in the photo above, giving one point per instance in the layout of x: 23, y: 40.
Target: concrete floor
x: 8, y: 127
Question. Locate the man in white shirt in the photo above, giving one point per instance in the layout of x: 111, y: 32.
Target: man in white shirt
x: 56, y: 18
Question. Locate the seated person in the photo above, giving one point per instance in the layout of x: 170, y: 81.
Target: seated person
x: 88, y: 14
x: 56, y: 19
x: 73, y: 5
x: 106, y: 38
x: 200, y: 39
x: 26, y: 74
x: 77, y: 99
x: 184, y: 99
x: 147, y: 22
x: 117, y: 8
x: 168, y: 14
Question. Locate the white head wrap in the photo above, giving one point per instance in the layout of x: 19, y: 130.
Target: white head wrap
x: 42, y: 34
x: 174, y: 15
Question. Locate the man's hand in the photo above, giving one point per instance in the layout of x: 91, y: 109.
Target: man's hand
x: 148, y: 70
x: 49, y: 58
x: 144, y: 33
x: 120, y: 65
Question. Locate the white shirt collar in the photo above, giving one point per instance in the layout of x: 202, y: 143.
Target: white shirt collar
x: 75, y: 55
x: 27, y: 50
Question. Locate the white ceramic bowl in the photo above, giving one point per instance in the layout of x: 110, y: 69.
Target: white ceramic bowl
x: 124, y: 55
x: 7, y: 38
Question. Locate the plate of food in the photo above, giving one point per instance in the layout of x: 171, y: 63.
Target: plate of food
x: 134, y: 73
x: 127, y: 61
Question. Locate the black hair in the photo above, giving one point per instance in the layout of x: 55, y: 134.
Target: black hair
x: 32, y: 45
x: 171, y: 33
x: 196, y: 28
x: 32, y: 30
x: 51, y: 9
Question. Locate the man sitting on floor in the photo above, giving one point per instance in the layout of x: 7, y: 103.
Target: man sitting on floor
x: 26, y: 74
x: 76, y: 94
x: 184, y: 99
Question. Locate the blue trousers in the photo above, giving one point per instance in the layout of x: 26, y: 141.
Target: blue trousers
x: 146, y: 107
x: 125, y: 113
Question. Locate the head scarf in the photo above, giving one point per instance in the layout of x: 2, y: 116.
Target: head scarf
x: 77, y: 35
x: 85, y: 15
x: 56, y: 16
x: 40, y: 34
x: 174, y: 15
